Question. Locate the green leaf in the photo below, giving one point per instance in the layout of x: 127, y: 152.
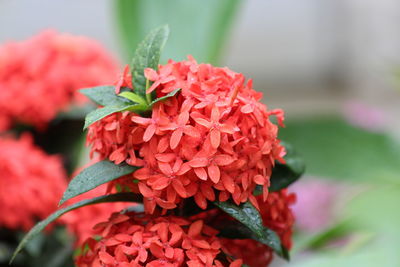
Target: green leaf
x: 147, y: 55
x: 251, y: 218
x: 133, y: 97
x: 95, y: 175
x: 333, y: 148
x: 190, y: 21
x: 100, y: 113
x: 120, y: 197
x: 173, y: 93
x: 284, y: 175
x: 104, y: 96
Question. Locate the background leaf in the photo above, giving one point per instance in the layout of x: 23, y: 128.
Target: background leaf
x: 120, y: 197
x: 95, y: 175
x: 147, y: 55
x: 333, y: 148
x: 199, y: 28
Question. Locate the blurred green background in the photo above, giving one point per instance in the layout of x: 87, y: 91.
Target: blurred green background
x: 330, y: 64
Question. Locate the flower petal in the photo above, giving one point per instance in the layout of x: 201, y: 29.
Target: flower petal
x: 175, y: 138
x: 215, y: 138
x: 214, y: 173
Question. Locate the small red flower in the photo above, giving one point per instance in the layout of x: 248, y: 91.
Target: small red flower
x: 31, y: 183
x: 39, y: 77
x: 133, y: 239
x: 212, y: 140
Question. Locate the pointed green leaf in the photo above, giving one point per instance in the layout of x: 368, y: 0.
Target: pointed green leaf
x: 133, y: 97
x: 95, y: 175
x: 147, y: 55
x: 120, y: 197
x: 173, y: 93
x: 104, y: 96
x: 100, y: 113
x: 248, y: 215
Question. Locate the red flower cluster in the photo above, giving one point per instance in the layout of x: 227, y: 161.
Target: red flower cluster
x: 39, y: 77
x: 132, y: 240
x: 80, y: 222
x: 23, y: 167
x: 278, y: 216
x: 214, y: 135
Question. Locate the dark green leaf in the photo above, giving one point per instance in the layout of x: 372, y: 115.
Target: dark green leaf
x: 95, y: 175
x: 104, y: 96
x: 147, y: 55
x: 120, y: 197
x: 284, y: 175
x: 173, y: 93
x: 251, y: 218
x: 100, y: 113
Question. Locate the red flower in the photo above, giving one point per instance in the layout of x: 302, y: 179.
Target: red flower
x: 213, y: 139
x: 138, y: 240
x: 40, y: 77
x: 31, y: 183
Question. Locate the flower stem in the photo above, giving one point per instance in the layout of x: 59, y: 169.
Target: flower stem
x: 148, y: 96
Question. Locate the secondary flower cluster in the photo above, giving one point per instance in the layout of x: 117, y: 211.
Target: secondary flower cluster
x: 31, y: 183
x: 40, y: 77
x: 213, y: 140
x: 135, y: 239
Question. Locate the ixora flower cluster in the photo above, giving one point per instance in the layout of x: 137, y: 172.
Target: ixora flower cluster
x: 39, y: 77
x: 23, y: 167
x: 213, y: 134
x: 193, y: 147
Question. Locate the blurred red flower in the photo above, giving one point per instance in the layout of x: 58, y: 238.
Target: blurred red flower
x: 31, y: 183
x: 39, y: 77
x: 139, y: 240
x: 213, y: 136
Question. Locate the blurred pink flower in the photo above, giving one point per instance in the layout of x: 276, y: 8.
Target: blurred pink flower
x: 364, y: 116
x: 314, y: 209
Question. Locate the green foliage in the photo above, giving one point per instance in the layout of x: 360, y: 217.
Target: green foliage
x: 119, y: 197
x: 163, y: 98
x: 104, y: 96
x: 95, y: 175
x: 248, y: 215
x: 101, y: 113
x: 147, y: 55
x: 200, y: 28
x: 333, y: 148
x: 134, y: 98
